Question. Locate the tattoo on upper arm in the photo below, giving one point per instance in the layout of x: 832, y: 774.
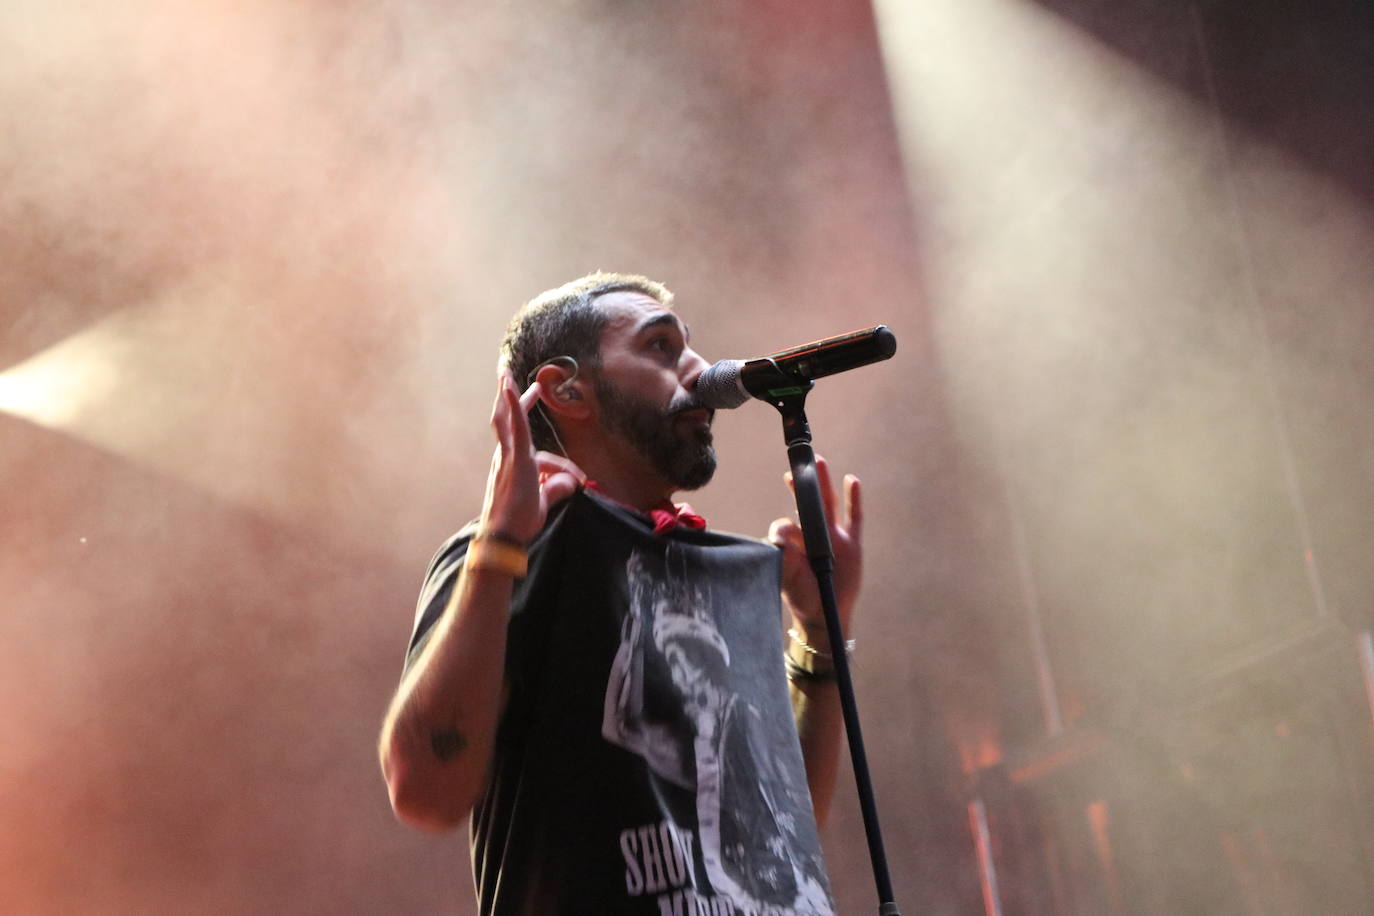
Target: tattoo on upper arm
x: 447, y: 743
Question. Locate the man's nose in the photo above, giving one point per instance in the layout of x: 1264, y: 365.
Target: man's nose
x: 693, y: 364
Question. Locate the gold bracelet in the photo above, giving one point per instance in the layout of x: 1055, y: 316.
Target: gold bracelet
x: 497, y: 554
x: 812, y: 650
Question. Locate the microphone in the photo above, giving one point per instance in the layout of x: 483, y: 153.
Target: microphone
x: 731, y: 382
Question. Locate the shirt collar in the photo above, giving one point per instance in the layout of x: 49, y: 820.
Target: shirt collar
x: 666, y: 516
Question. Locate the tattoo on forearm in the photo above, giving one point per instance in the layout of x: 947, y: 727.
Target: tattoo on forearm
x: 447, y: 743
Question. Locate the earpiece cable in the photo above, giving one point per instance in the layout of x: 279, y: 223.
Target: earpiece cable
x: 539, y: 405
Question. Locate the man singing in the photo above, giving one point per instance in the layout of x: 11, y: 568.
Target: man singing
x: 598, y: 678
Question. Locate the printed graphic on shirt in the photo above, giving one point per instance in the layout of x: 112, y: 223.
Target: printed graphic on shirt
x: 673, y: 699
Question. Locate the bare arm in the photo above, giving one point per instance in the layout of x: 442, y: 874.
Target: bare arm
x: 438, y: 735
x: 816, y: 704
x: 437, y: 738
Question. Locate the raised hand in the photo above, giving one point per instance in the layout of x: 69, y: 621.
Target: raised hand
x: 523, y: 483
x: 799, y: 589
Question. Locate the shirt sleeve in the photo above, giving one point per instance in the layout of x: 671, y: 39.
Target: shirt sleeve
x: 438, y: 585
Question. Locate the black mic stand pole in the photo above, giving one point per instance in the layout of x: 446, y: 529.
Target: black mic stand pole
x: 788, y: 395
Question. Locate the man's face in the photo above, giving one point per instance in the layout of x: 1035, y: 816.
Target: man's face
x: 644, y: 388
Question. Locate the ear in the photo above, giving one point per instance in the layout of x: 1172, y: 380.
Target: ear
x: 561, y: 391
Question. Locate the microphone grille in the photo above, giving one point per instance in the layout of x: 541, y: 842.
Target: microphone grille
x: 719, y: 386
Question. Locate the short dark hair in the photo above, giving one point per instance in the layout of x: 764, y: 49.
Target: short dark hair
x: 566, y: 322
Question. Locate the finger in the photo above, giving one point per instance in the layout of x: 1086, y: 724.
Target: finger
x: 500, y: 415
x: 513, y: 420
x: 827, y: 489
x: 785, y: 533
x: 853, y: 506
x: 519, y: 419
x: 529, y: 397
x: 823, y: 481
x: 549, y: 463
x: 558, y: 486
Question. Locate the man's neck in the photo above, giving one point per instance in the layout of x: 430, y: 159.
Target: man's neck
x: 627, y: 485
x: 628, y: 493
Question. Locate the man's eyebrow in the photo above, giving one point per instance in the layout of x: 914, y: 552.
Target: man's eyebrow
x: 664, y: 318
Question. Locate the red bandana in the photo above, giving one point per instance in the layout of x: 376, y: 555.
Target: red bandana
x: 666, y: 515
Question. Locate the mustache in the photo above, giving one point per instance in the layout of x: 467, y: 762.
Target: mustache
x: 684, y: 403
x: 680, y: 403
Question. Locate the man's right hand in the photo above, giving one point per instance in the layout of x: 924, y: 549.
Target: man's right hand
x: 437, y: 741
x: 524, y: 484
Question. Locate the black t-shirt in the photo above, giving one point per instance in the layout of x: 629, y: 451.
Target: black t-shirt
x: 647, y: 761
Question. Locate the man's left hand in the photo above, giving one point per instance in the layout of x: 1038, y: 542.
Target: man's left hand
x: 799, y: 589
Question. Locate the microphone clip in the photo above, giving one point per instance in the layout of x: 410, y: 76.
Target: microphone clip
x: 768, y: 381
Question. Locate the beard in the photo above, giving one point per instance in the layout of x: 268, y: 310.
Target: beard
x: 683, y: 458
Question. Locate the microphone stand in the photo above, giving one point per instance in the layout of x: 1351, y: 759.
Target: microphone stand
x: 788, y: 395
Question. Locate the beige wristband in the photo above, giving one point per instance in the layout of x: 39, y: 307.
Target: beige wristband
x: 497, y: 554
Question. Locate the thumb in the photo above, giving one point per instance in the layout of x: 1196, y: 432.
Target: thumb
x: 550, y: 464
x: 558, y: 486
x: 784, y: 532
